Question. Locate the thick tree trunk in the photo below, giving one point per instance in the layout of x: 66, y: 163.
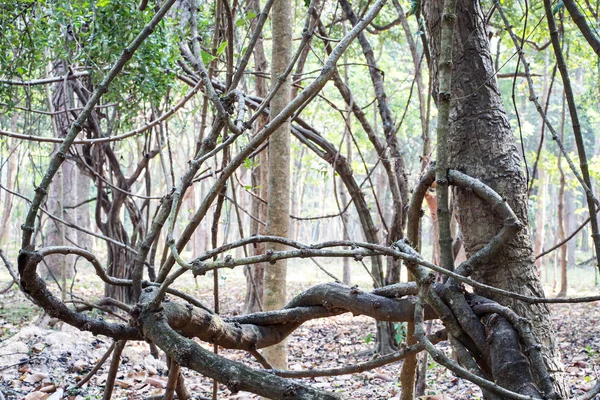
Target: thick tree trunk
x: 278, y: 208
x: 482, y: 145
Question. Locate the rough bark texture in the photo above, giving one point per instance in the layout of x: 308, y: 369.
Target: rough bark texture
x: 482, y: 145
x: 278, y: 209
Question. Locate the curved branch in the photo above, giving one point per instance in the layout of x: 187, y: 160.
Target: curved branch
x: 234, y: 375
x: 265, y: 329
x: 581, y: 23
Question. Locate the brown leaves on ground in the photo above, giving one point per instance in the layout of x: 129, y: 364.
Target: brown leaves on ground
x: 40, y: 364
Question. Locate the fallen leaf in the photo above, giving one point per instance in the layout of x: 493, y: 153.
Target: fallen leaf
x: 35, y: 378
x: 157, y: 382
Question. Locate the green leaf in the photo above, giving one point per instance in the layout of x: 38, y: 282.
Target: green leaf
x: 221, y: 48
x: 558, y: 7
x: 240, y: 22
x: 102, y: 3
x: 206, y: 57
x: 414, y: 7
x: 251, y: 14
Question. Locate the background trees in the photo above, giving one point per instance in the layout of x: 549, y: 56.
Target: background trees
x: 162, y: 113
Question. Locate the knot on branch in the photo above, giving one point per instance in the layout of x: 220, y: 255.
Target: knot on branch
x: 26, y: 227
x: 291, y: 390
x: 246, y: 125
x: 354, y: 290
x: 209, y: 144
x: 229, y: 261
x: 358, y: 257
x: 270, y: 254
x: 376, y: 304
x: 39, y: 189
x: 136, y: 311
x: 198, y: 268
x: 444, y: 96
x: 428, y: 279
x: 449, y: 16
x: 328, y: 306
x: 233, y: 385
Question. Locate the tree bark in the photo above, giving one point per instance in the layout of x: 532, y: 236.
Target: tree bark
x: 58, y: 267
x: 10, y: 184
x: 540, y: 221
x: 278, y: 208
x: 482, y: 145
x: 255, y: 273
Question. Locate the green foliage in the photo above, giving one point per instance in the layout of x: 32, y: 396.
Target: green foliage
x: 399, y: 332
x: 88, y: 36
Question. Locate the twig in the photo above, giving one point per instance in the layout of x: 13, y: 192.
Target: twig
x: 592, y: 201
x: 98, y: 365
x: 113, y: 370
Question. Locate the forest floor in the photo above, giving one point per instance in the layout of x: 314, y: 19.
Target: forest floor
x: 39, y: 364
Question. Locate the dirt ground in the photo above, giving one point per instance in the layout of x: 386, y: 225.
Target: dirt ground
x: 38, y: 363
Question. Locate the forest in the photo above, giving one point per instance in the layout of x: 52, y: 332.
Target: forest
x: 307, y: 199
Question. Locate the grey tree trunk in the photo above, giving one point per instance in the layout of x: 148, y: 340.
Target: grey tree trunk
x: 83, y: 212
x: 57, y: 266
x: 10, y: 182
x: 278, y: 207
x: 482, y: 145
x: 571, y: 226
x: 540, y: 221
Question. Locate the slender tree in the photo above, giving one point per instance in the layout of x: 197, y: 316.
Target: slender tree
x: 278, y: 208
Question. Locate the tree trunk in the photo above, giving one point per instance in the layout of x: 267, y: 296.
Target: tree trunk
x: 561, y: 210
x: 540, y: 221
x: 83, y: 212
x: 482, y: 145
x: 278, y: 208
x: 571, y: 226
x: 255, y: 273
x: 10, y: 184
x: 58, y: 267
